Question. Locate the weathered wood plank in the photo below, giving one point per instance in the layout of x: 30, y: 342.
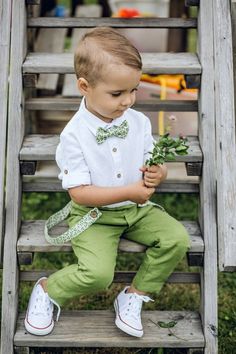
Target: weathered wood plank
x: 46, y: 179
x: 72, y: 104
x: 154, y: 63
x: 32, y: 239
x: 49, y: 185
x: 5, y: 20
x: 71, y: 22
x: 13, y: 185
x: 97, y: 329
x: 30, y: 80
x: 225, y: 135
x: 53, y: 41
x: 208, y: 180
x: 119, y: 277
x: 43, y: 147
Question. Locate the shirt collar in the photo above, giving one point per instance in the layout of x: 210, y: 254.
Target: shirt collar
x: 93, y: 122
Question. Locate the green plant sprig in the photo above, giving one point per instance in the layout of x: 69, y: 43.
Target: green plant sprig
x: 166, y: 149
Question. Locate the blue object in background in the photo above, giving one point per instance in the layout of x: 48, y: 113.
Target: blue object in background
x: 60, y: 11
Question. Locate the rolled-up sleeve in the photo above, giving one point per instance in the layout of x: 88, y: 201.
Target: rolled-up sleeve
x: 148, y: 140
x: 74, y: 171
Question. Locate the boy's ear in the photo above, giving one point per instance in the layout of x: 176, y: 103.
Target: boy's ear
x: 83, y: 85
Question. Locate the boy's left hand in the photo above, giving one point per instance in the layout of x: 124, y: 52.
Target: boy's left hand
x: 154, y: 175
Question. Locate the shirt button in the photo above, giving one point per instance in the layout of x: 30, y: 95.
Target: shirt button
x: 66, y: 172
x: 119, y: 175
x: 114, y: 149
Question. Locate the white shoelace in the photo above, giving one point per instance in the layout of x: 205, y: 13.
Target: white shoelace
x: 134, y: 306
x: 44, y: 304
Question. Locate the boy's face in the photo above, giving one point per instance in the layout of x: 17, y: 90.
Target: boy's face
x: 114, y: 94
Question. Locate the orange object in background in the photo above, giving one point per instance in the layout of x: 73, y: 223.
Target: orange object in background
x: 173, y: 81
x: 128, y: 13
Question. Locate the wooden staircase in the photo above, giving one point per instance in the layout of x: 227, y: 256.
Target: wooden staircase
x: 195, y: 331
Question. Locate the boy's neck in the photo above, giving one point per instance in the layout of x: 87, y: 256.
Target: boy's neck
x: 103, y: 119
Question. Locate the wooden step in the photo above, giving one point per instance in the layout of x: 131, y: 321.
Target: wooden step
x: 97, y: 329
x: 38, y: 147
x: 46, y: 179
x: 81, y: 22
x: 72, y: 104
x: 32, y: 239
x: 153, y: 63
x: 119, y: 276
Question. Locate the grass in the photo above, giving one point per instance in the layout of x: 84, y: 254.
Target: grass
x: 172, y: 296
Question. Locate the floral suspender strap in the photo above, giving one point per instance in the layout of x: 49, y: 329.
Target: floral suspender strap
x: 72, y: 232
x: 85, y: 222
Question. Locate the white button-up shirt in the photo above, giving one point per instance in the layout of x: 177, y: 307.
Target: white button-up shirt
x: 115, y: 162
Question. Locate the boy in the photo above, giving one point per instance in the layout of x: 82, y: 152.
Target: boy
x: 101, y: 155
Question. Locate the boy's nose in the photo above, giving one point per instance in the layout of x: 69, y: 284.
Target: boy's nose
x: 127, y: 101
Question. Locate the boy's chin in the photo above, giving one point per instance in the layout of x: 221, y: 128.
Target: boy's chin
x: 119, y: 113
x: 110, y: 117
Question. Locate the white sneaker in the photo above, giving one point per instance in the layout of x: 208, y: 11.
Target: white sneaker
x: 128, y: 308
x: 39, y: 316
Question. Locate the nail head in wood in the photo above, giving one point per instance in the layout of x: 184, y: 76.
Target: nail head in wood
x: 28, y: 167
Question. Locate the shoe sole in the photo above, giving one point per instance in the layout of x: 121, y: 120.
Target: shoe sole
x: 124, y: 327
x: 38, y: 331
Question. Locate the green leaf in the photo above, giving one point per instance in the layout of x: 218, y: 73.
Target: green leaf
x: 166, y: 148
x: 181, y: 153
x: 167, y: 324
x: 181, y: 147
x: 170, y: 156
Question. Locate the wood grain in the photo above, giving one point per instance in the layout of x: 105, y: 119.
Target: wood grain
x: 153, y: 63
x: 97, y: 329
x: 32, y: 239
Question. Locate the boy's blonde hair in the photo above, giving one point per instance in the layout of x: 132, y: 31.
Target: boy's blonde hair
x: 99, y: 47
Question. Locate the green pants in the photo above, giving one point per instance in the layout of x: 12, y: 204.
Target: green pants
x: 96, y: 249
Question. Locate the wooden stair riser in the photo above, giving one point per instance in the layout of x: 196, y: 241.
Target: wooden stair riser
x: 81, y: 22
x: 72, y: 104
x: 119, y: 277
x: 28, y: 168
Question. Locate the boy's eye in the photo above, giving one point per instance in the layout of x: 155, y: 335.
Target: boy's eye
x: 116, y: 94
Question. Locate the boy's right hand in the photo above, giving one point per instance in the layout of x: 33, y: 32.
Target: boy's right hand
x: 139, y: 193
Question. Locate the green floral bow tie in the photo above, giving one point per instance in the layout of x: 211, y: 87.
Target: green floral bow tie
x: 119, y: 131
